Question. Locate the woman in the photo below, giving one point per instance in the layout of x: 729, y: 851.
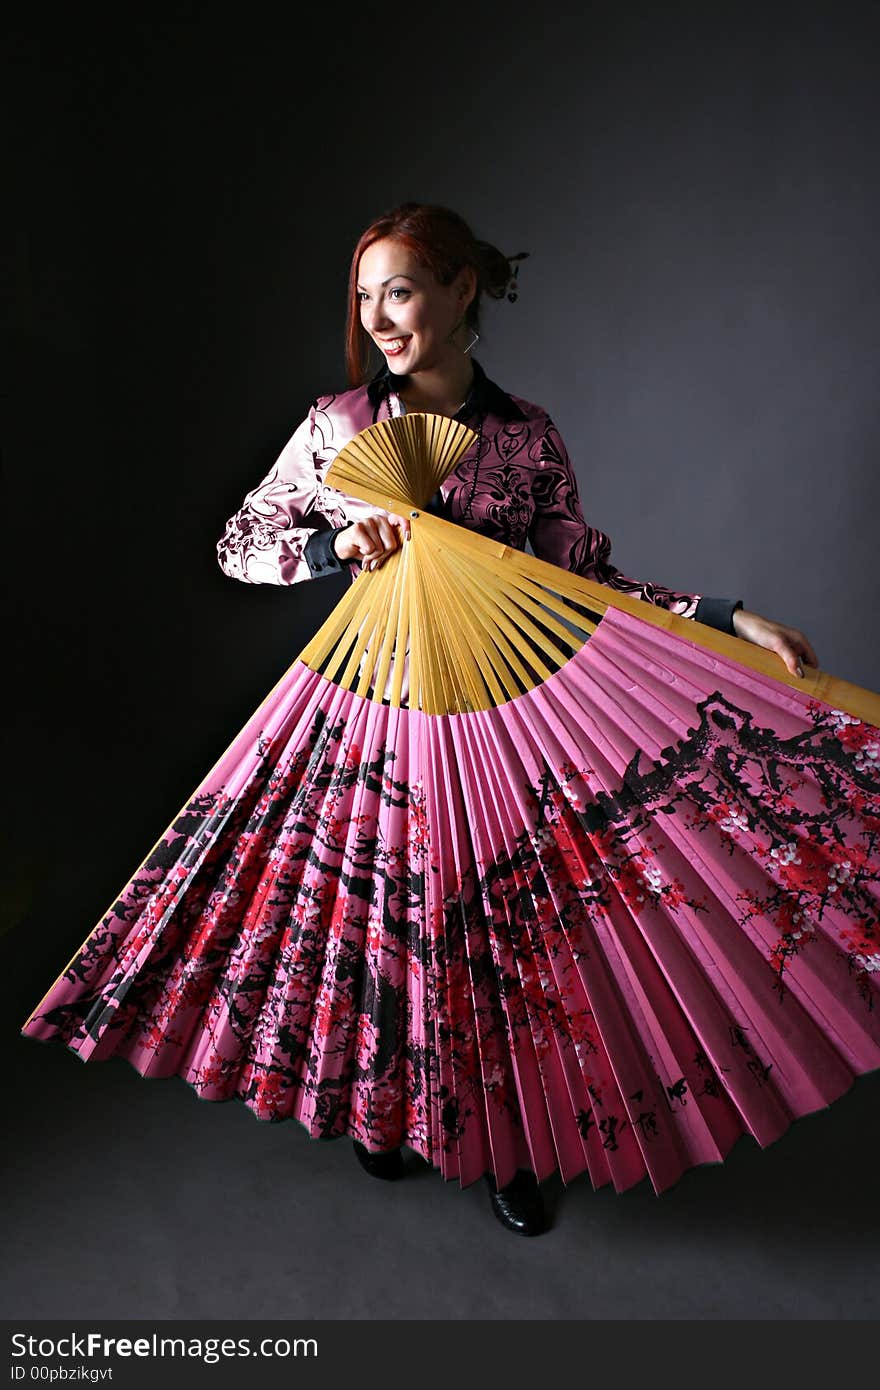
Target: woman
x: 417, y: 279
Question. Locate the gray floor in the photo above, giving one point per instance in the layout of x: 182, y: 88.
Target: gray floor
x: 129, y: 1197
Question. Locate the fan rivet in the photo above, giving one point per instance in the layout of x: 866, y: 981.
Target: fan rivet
x: 413, y: 513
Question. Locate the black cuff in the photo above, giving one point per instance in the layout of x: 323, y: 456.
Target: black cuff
x: 717, y: 612
x: 319, y: 554
x: 437, y: 505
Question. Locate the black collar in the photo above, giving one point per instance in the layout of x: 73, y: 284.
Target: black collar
x: 484, y: 398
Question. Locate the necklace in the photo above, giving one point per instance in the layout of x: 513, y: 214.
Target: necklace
x: 471, y: 494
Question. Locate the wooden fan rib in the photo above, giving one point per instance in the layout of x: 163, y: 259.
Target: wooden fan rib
x: 450, y: 684
x: 384, y: 481
x: 400, y: 448
x: 421, y: 668
x: 354, y: 666
x: 554, y: 585
x: 384, y: 583
x: 501, y: 654
x: 379, y: 464
x: 542, y: 606
x: 401, y: 640
x: 415, y: 641
x: 550, y: 577
x: 472, y: 682
x: 430, y: 651
x: 451, y: 622
x: 496, y: 623
x: 400, y: 577
x: 521, y: 591
x: 505, y: 616
x: 509, y: 599
x: 358, y: 633
x: 445, y: 686
x: 319, y: 647
x: 408, y: 466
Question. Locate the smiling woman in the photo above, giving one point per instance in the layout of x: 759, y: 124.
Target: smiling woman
x: 419, y: 323
x: 416, y: 282
x: 290, y: 941
x: 418, y: 289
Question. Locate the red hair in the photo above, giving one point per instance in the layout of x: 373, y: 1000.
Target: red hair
x: 443, y: 243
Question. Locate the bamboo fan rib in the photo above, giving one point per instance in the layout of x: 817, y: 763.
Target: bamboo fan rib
x: 458, y: 622
x: 403, y: 459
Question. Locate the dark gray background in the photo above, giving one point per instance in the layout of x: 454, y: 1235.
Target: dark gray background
x: 697, y: 188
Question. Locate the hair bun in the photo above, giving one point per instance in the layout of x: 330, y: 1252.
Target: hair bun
x: 499, y: 271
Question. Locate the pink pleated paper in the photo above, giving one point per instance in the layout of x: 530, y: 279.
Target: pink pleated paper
x: 605, y: 928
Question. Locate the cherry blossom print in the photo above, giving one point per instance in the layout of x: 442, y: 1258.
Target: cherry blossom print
x: 606, y: 928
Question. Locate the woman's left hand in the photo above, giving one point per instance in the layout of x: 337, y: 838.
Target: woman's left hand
x: 788, y: 642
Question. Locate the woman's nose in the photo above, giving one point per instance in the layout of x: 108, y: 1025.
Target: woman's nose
x: 375, y: 318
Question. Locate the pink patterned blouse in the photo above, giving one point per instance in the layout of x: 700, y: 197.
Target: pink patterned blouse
x: 522, y: 488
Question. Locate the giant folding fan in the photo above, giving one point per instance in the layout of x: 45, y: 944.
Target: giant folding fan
x: 510, y: 868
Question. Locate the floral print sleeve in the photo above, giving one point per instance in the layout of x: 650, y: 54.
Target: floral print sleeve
x: 560, y: 534
x: 264, y: 542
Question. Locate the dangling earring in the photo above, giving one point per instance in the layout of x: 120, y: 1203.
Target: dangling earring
x: 476, y: 339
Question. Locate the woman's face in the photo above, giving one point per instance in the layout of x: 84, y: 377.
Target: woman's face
x: 406, y: 312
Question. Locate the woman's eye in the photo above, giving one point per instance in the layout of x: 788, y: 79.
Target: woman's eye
x: 396, y: 292
x: 395, y: 289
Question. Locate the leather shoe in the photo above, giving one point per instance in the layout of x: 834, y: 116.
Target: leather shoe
x: 519, y: 1206
x: 388, y: 1166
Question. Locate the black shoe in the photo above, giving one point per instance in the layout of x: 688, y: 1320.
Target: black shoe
x: 389, y: 1166
x: 519, y: 1206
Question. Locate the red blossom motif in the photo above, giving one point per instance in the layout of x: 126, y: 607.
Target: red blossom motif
x: 339, y: 969
x: 856, y: 736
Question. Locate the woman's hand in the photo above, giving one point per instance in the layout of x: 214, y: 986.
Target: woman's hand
x: 788, y: 642
x: 372, y: 540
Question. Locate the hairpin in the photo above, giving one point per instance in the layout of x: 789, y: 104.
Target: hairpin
x: 511, y: 284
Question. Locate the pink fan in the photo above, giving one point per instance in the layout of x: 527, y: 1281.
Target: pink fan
x: 510, y: 868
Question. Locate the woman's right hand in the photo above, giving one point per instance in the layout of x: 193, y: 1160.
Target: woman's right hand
x: 372, y: 540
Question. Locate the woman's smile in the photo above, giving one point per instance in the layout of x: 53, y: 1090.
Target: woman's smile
x: 393, y: 347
